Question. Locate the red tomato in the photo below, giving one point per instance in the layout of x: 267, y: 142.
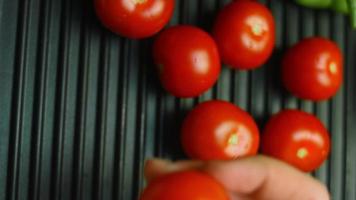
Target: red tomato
x: 297, y: 138
x: 187, y: 185
x: 134, y: 18
x: 313, y: 69
x: 219, y: 130
x: 245, y: 34
x: 188, y: 60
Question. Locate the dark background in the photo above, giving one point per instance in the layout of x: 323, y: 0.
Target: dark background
x: 81, y: 108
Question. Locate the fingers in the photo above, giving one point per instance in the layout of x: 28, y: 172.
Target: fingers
x: 158, y: 167
x: 265, y: 178
x: 286, y: 182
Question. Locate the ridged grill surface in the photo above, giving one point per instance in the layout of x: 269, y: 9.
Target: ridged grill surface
x: 81, y: 108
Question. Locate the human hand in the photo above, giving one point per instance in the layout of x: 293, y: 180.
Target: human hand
x: 254, y: 178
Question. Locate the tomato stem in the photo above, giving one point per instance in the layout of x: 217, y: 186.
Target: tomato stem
x: 302, y: 153
x: 234, y: 139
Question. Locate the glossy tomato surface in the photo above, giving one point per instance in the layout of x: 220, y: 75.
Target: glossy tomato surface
x: 245, y: 33
x: 134, y: 18
x: 187, y: 59
x: 187, y: 185
x: 219, y: 130
x: 313, y: 69
x: 297, y: 138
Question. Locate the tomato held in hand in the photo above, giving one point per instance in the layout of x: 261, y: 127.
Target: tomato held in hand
x: 297, y: 138
x: 313, y: 69
x: 245, y: 33
x: 134, y: 18
x: 219, y: 130
x: 188, y: 60
x: 186, y: 185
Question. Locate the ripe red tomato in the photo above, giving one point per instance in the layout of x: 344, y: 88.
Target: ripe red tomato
x: 188, y: 60
x: 313, y: 69
x: 245, y: 34
x: 219, y: 130
x: 187, y: 185
x: 134, y: 18
x: 297, y: 138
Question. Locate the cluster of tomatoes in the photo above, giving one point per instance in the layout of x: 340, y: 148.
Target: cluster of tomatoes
x: 189, y: 63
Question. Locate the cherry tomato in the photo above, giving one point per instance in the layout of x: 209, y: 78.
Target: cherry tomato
x: 297, y: 138
x: 134, y: 18
x: 313, y: 69
x: 187, y: 185
x: 245, y: 34
x: 188, y: 60
x: 219, y: 130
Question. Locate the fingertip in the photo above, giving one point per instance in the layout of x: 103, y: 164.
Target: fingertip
x: 154, y: 167
x: 157, y: 162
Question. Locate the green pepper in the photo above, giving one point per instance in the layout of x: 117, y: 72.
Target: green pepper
x: 341, y: 6
x: 352, y: 8
x: 320, y: 4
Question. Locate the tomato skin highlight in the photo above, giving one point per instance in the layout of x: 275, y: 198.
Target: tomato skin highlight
x: 313, y: 69
x: 245, y: 33
x: 297, y: 138
x: 134, y: 19
x: 219, y: 130
x: 187, y: 59
x: 187, y: 185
